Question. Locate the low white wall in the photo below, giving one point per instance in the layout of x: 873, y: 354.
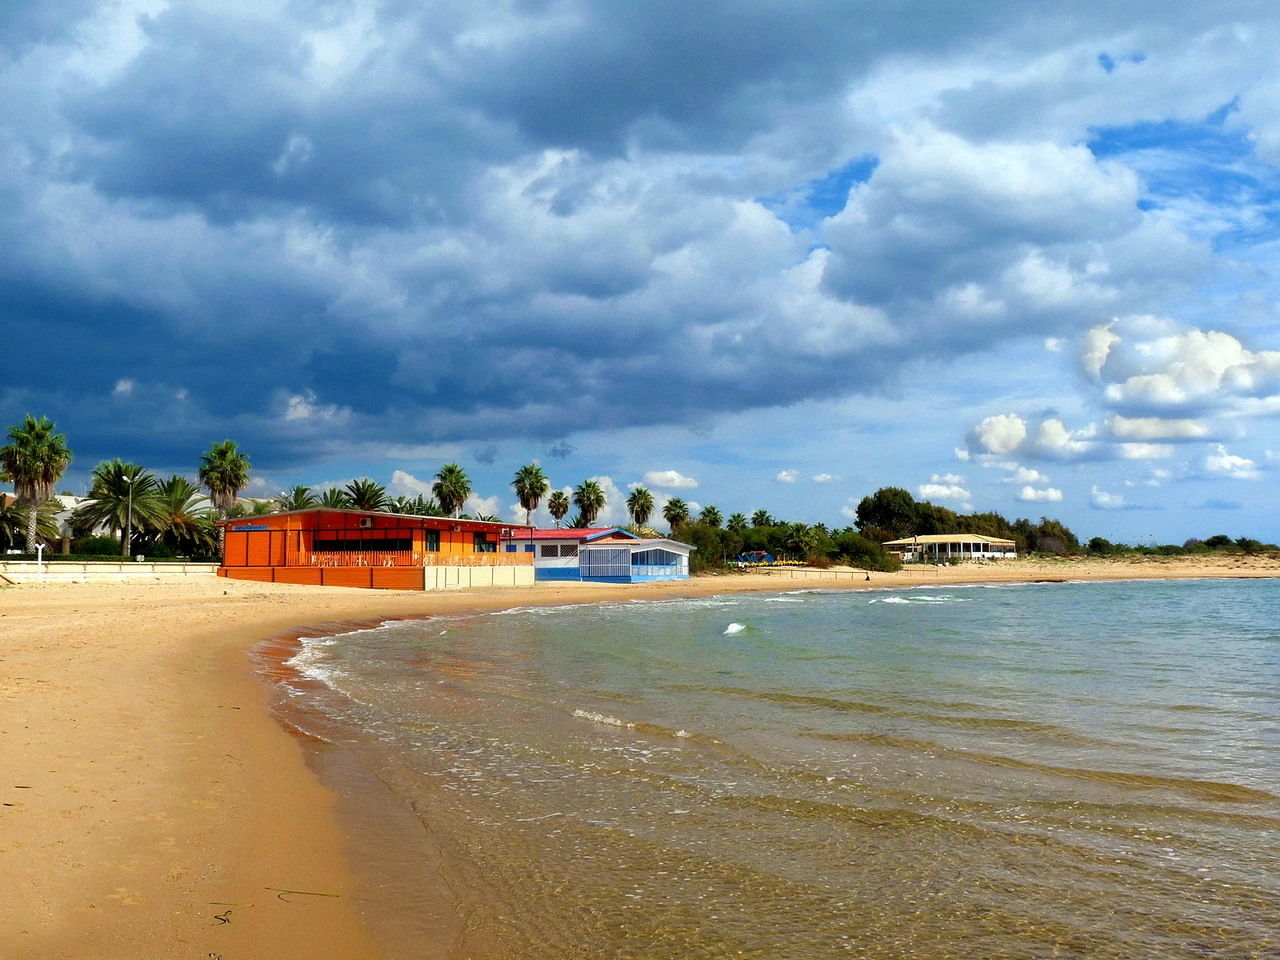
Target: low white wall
x: 453, y: 578
x: 24, y: 571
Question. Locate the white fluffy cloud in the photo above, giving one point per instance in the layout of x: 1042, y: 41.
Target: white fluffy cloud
x: 1026, y: 475
x: 1224, y: 464
x: 942, y: 491
x: 1029, y: 494
x: 477, y: 505
x: 826, y: 478
x: 1102, y: 500
x: 1145, y: 451
x: 1000, y: 434
x: 1155, y: 428
x: 407, y: 485
x: 1152, y: 362
x: 787, y: 476
x: 1055, y: 440
x: 669, y: 480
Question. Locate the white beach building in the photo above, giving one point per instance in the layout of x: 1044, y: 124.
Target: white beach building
x: 601, y: 555
x: 941, y: 547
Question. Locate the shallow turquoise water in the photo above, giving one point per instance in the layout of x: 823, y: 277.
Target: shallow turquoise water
x: 1032, y: 770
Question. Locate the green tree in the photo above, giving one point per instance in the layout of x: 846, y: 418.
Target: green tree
x: 588, y: 497
x: 710, y: 516
x: 451, y: 488
x: 889, y: 509
x: 676, y: 512
x: 122, y: 496
x: 737, y: 522
x: 761, y: 518
x: 640, y: 505
x: 335, y: 498
x: 224, y: 471
x: 13, y: 524
x: 365, y: 494
x: 558, y: 506
x: 531, y: 486
x: 33, y: 461
x: 801, y: 540
x: 1101, y: 545
x: 183, y: 521
x: 296, y: 498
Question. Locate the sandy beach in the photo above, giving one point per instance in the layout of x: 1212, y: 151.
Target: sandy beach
x: 153, y: 807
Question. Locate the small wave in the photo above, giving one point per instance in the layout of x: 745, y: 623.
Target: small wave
x: 603, y: 718
x: 734, y: 629
x: 889, y: 600
x: 783, y: 600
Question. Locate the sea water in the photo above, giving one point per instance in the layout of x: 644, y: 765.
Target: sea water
x: 1040, y: 770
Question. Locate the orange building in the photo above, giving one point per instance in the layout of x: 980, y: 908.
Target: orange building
x: 389, y: 551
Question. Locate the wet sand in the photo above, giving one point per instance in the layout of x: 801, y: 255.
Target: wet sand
x: 154, y: 808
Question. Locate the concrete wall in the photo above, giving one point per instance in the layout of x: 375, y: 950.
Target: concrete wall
x: 443, y: 577
x: 63, y: 571
x: 453, y: 578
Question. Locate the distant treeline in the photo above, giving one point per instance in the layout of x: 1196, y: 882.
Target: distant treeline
x: 1218, y: 543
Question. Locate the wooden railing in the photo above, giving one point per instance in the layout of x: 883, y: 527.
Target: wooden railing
x: 406, y: 558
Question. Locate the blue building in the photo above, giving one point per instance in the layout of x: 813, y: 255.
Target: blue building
x: 601, y: 555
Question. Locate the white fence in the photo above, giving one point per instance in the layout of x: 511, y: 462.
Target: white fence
x: 605, y: 562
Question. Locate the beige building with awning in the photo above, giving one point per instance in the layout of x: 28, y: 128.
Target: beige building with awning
x: 939, y: 547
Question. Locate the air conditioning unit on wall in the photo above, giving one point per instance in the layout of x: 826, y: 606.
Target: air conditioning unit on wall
x: 366, y: 523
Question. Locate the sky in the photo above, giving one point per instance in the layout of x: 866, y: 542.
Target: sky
x: 1010, y: 256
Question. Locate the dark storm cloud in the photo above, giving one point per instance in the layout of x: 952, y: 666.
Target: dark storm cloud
x: 328, y: 227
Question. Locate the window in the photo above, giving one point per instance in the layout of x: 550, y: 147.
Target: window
x: 380, y: 545
x: 568, y: 549
x: 510, y: 548
x: 654, y: 558
x: 528, y: 548
x: 483, y: 544
x: 549, y: 550
x: 433, y: 541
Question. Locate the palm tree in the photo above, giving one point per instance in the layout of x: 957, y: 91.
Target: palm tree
x: 640, y: 505
x: 33, y: 461
x: 451, y: 489
x: 531, y: 486
x: 588, y: 497
x: 364, y: 494
x: 710, y: 516
x: 558, y: 506
x: 224, y: 470
x: 122, y: 496
x: 801, y: 540
x: 676, y: 512
x: 297, y: 498
x: 13, y: 523
x: 182, y: 519
x: 578, y: 522
x: 422, y: 507
x: 737, y: 522
x: 761, y: 518
x: 335, y: 498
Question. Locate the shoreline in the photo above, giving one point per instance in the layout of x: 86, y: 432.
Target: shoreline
x: 153, y: 788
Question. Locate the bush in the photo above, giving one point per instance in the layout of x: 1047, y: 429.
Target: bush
x: 96, y: 546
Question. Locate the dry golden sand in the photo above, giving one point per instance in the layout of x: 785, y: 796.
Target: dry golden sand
x: 152, y: 806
